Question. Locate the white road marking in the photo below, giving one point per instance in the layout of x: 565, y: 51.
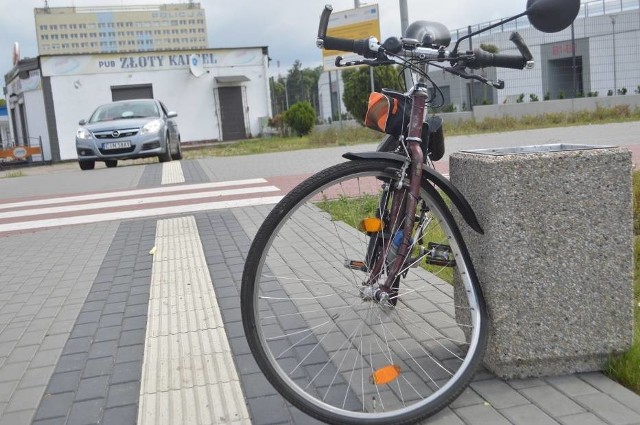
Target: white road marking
x: 137, y: 201
x: 123, y: 215
x: 126, y: 193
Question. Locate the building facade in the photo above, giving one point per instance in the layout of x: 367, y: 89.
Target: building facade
x: 127, y: 28
x: 226, y: 98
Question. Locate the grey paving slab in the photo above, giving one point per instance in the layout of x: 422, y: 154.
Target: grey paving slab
x: 37, y: 325
x: 592, y: 398
x: 100, y: 364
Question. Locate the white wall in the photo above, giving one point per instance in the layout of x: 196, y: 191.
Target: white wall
x: 37, y: 122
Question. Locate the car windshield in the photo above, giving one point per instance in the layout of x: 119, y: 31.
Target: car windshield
x: 125, y: 110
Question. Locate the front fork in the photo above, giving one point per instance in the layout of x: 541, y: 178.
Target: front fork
x: 414, y: 139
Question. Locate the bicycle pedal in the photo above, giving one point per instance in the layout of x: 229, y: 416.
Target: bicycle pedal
x: 439, y: 255
x: 356, y: 265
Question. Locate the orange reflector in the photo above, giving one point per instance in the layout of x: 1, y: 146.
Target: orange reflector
x: 385, y: 375
x: 371, y: 225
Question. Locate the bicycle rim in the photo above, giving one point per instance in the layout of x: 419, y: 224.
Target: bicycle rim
x: 326, y: 348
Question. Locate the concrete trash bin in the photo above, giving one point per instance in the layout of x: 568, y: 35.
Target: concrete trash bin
x: 556, y: 260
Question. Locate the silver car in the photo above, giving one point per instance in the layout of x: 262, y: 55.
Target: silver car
x: 128, y: 129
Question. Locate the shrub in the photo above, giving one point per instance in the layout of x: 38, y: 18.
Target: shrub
x: 520, y: 98
x: 533, y: 98
x: 300, y: 117
x: 278, y: 123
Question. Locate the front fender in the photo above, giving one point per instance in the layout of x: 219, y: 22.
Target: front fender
x: 434, y: 177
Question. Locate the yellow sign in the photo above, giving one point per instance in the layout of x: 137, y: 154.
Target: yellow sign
x: 353, y: 24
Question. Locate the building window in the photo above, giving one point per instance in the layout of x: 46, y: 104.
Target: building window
x: 53, y: 27
x: 54, y: 36
x: 44, y: 37
x: 43, y: 27
x: 63, y: 26
x: 82, y: 26
x: 74, y: 35
x: 64, y: 36
x: 73, y: 26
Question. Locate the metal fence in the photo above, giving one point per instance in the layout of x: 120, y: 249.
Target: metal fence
x: 597, y: 56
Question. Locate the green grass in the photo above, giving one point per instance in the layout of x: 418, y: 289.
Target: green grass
x: 625, y: 368
x: 328, y: 138
x: 359, y: 135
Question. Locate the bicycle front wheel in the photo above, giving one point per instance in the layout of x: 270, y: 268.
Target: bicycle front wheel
x: 329, y: 348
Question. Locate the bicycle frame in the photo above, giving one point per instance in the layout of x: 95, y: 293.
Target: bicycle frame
x: 419, y: 94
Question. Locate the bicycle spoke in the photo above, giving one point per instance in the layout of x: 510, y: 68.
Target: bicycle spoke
x: 319, y: 321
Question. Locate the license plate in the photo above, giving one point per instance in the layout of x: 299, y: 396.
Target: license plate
x: 116, y: 145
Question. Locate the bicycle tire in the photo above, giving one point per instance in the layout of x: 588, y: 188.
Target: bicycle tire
x: 295, y: 257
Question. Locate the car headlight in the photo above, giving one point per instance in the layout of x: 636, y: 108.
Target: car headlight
x: 83, y: 133
x: 151, y: 127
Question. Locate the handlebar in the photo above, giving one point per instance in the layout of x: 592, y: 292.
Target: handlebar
x: 371, y: 49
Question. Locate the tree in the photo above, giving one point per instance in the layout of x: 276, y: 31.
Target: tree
x: 301, y: 117
x: 357, y: 86
x: 300, y: 85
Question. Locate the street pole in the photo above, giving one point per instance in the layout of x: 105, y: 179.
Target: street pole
x: 356, y: 4
x: 404, y: 24
x: 615, y: 74
x: 574, y: 67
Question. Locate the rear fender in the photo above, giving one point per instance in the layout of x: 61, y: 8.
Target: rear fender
x: 434, y: 177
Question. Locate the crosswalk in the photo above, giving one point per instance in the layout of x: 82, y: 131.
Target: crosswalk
x: 34, y: 214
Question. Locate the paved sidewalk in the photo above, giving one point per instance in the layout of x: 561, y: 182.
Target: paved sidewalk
x: 78, y: 320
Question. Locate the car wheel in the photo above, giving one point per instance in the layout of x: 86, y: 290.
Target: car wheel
x: 111, y: 163
x: 178, y: 154
x: 87, y: 165
x: 166, y: 156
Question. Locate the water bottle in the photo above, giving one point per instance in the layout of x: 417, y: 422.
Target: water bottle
x: 395, y: 244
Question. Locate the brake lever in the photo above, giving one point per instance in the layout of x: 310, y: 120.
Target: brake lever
x: 459, y: 71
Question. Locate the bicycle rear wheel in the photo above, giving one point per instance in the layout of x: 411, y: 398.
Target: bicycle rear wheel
x: 335, y: 353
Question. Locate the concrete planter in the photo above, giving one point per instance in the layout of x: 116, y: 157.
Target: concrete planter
x: 556, y: 259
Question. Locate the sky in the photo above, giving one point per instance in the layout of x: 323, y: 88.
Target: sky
x: 288, y: 27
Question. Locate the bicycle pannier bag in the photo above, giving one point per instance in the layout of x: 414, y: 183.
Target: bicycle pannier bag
x: 387, y: 113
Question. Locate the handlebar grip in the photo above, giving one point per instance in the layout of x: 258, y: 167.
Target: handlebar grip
x: 517, y: 39
x: 359, y: 47
x: 484, y: 59
x: 324, y: 21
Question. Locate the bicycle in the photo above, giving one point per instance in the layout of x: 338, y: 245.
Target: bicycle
x: 347, y: 291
